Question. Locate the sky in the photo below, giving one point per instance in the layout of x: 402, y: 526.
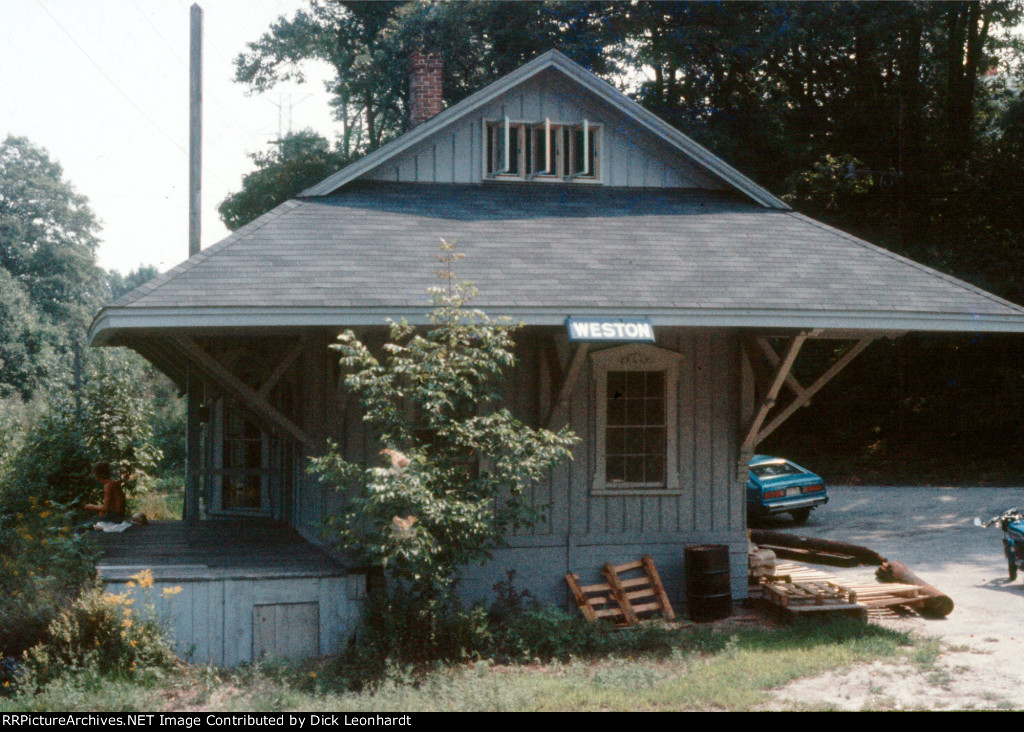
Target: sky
x: 102, y: 85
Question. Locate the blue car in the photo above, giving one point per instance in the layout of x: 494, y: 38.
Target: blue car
x: 777, y: 485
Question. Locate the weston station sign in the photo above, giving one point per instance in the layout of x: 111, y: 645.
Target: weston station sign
x: 610, y: 330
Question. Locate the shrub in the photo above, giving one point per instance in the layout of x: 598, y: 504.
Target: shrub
x: 103, y: 632
x: 44, y: 476
x: 43, y: 562
x: 448, y: 498
x: 404, y: 636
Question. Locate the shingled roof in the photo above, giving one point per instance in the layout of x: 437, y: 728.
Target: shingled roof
x: 540, y: 254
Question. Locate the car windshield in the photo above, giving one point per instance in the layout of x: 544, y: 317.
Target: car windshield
x: 774, y: 470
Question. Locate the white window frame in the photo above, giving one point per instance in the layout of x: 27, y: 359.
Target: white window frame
x: 637, y: 357
x: 522, y: 128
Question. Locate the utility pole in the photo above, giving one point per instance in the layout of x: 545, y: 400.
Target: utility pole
x: 195, y: 127
x: 195, y: 159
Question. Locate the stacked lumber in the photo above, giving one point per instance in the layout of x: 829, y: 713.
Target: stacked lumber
x: 799, y: 589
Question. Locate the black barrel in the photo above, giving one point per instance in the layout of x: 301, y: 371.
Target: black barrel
x: 708, y: 591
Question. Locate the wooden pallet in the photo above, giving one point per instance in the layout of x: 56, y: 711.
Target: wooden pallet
x: 798, y: 595
x: 596, y: 601
x: 623, y: 599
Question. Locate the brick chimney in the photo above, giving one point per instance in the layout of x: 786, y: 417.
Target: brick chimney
x: 425, y: 71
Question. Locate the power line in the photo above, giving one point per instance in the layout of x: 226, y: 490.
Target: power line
x: 121, y: 91
x: 111, y: 81
x: 184, y: 65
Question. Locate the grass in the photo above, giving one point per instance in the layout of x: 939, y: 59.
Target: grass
x: 160, y: 505
x: 703, y: 670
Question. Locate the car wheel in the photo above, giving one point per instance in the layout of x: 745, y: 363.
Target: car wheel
x: 800, y: 515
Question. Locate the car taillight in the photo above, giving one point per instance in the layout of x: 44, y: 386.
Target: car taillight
x: 775, y: 494
x: 812, y: 489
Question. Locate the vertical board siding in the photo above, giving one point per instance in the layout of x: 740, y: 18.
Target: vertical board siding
x: 630, y: 156
x: 226, y: 621
x: 579, y: 527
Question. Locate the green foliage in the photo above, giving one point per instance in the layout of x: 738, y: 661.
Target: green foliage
x: 117, y: 419
x: 120, y: 284
x: 368, y: 44
x: 47, y: 234
x: 45, y: 462
x: 42, y: 564
x: 27, y: 342
x: 104, y: 632
x: 111, y: 422
x: 296, y: 162
x: 404, y: 635
x: 436, y: 396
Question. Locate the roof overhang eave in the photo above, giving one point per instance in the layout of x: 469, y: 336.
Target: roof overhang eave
x: 115, y: 326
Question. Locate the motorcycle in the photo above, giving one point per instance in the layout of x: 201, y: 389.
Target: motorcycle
x: 1011, y: 522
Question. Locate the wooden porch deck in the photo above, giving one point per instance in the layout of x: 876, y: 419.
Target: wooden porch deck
x: 216, y: 549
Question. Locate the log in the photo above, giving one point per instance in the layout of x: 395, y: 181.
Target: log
x: 782, y: 538
x: 935, y: 604
x: 813, y: 556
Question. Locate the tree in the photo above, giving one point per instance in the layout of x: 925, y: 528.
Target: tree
x: 47, y: 234
x: 298, y: 161
x: 368, y: 44
x: 26, y: 342
x: 120, y: 284
x: 458, y: 463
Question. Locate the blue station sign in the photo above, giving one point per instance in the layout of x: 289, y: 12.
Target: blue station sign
x: 610, y: 330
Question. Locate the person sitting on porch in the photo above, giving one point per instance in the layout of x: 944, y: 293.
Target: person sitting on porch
x: 113, y: 507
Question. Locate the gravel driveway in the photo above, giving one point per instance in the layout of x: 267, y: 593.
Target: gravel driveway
x: 931, y: 530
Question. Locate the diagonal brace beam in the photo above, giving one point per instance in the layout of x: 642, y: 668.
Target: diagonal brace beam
x: 281, y: 368
x: 773, y: 391
x: 774, y: 359
x: 230, y: 383
x: 805, y: 398
x: 579, y: 358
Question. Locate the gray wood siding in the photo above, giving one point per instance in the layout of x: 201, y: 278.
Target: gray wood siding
x: 581, y: 531
x: 629, y: 156
x: 224, y: 619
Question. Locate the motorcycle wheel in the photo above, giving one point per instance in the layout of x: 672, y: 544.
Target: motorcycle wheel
x: 1012, y: 566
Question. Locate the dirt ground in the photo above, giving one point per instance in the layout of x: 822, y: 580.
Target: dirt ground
x: 930, y: 530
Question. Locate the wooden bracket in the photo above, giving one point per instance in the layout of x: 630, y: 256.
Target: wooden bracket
x: 782, y: 370
x: 212, y: 369
x: 281, y: 368
x: 756, y: 434
x: 579, y: 358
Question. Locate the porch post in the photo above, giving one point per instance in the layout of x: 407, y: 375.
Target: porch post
x: 192, y: 452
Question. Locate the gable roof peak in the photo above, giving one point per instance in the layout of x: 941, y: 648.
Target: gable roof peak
x: 698, y: 155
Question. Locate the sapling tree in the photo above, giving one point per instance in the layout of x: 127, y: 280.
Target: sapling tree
x: 455, y: 461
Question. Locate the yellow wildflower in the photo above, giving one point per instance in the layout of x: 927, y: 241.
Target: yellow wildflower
x: 44, y: 514
x: 144, y: 578
x: 171, y: 591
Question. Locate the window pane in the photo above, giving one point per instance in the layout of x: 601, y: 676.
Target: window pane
x: 635, y: 411
x: 634, y: 469
x: 654, y: 469
x: 615, y: 469
x: 635, y: 434
x: 654, y: 382
x: 616, y: 411
x: 654, y: 411
x: 513, y: 149
x: 634, y: 441
x: 616, y: 442
x: 654, y: 440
